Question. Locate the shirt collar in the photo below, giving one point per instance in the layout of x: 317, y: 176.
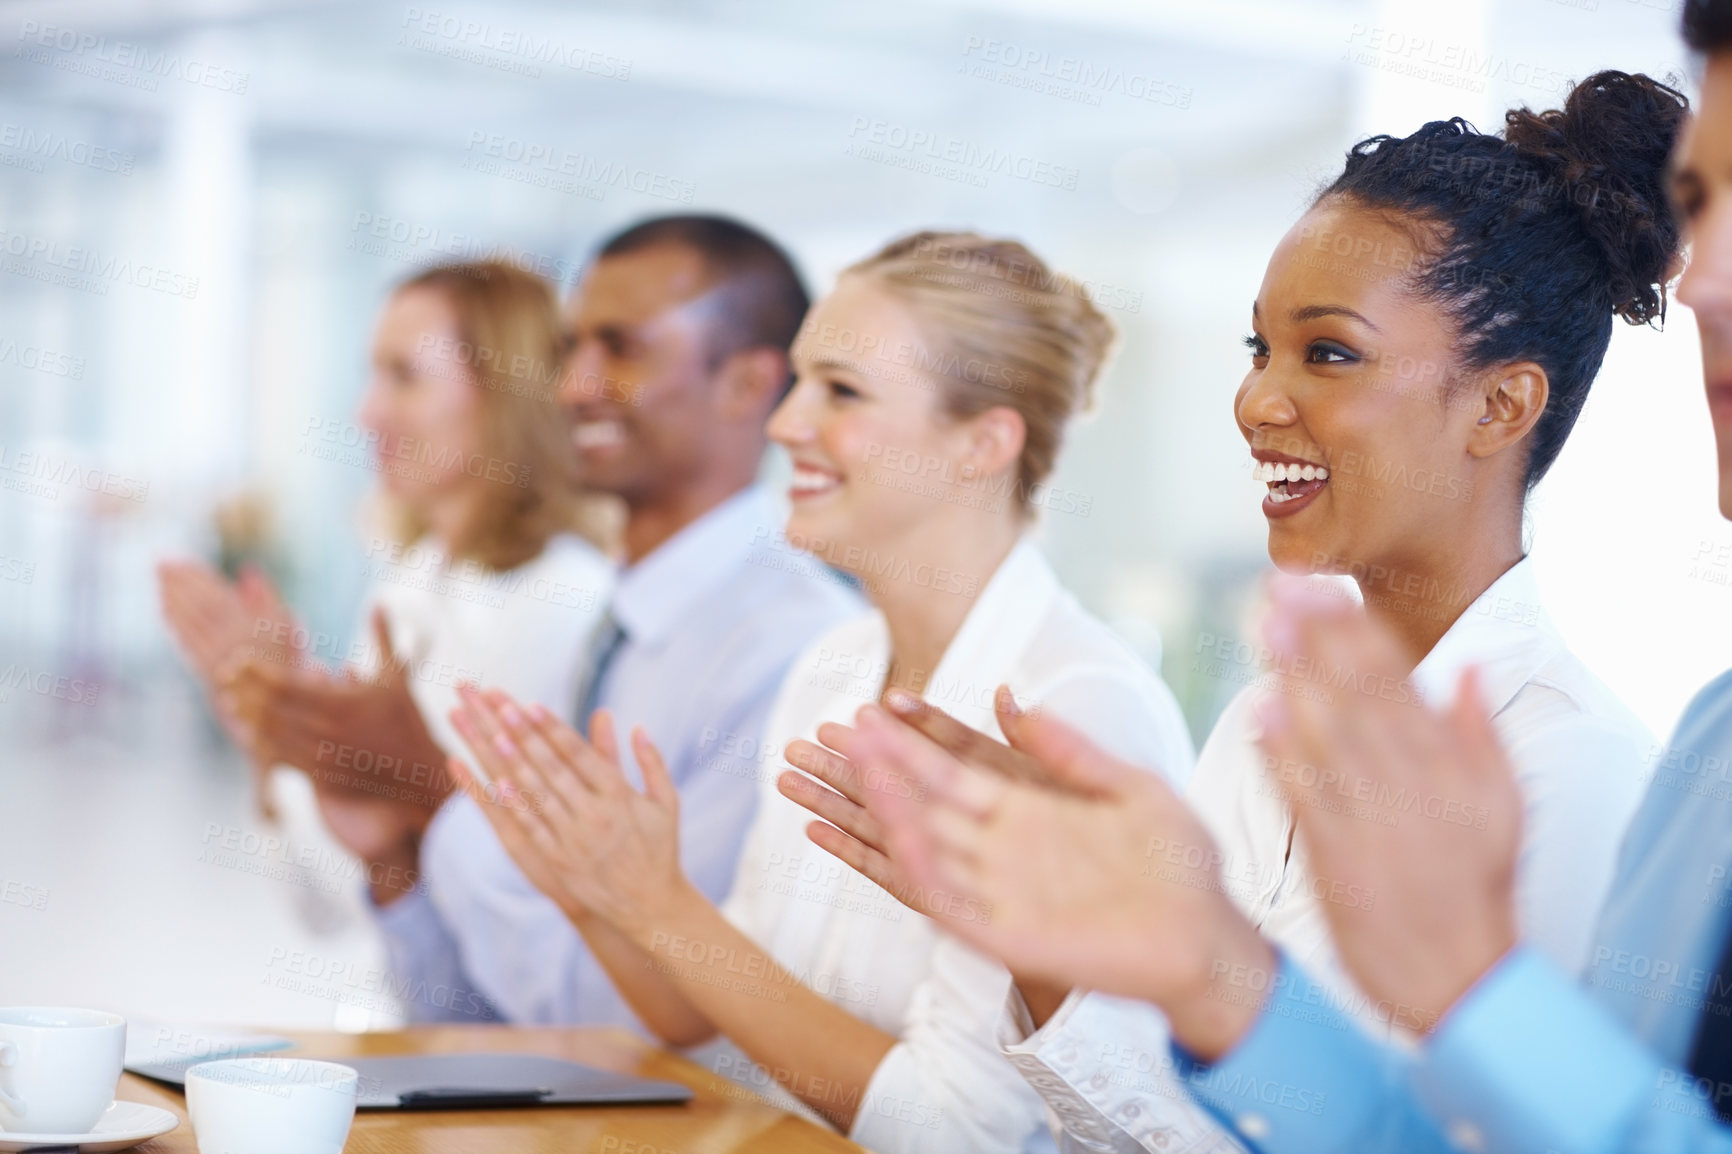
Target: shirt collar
x: 1001, y: 624
x: 652, y: 595
x: 1505, y: 633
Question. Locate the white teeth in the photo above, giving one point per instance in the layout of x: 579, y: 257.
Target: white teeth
x: 597, y: 434
x: 1279, y: 473
x: 810, y: 480
x: 1274, y: 472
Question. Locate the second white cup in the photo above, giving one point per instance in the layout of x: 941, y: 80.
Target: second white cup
x: 271, y: 1106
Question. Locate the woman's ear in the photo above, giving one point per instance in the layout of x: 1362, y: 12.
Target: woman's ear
x: 1512, y: 399
x: 995, y: 440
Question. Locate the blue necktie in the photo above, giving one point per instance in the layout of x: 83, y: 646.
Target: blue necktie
x: 606, y: 643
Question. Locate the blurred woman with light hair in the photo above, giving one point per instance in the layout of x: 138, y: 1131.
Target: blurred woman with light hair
x: 484, y: 552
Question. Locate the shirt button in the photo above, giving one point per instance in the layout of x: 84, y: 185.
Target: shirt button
x: 1253, y: 1126
x: 1099, y: 1081
x: 1090, y: 1129
x: 1464, y: 1135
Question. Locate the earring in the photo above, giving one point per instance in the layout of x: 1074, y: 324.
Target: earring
x: 967, y: 472
x: 1485, y: 420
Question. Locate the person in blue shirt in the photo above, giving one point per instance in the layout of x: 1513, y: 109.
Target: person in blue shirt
x: 1414, y: 801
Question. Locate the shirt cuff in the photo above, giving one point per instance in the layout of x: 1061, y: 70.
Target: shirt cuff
x: 1046, y: 1057
x: 1017, y: 1033
x: 1303, y: 1079
x: 1525, y: 1061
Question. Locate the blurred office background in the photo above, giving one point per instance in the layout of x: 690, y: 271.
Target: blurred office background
x: 203, y: 202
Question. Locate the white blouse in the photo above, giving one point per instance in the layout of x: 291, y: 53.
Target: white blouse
x: 524, y: 630
x: 944, y: 1086
x: 1104, y: 1064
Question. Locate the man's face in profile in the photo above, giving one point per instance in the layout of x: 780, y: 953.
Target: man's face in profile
x: 1702, y: 188
x: 637, y: 382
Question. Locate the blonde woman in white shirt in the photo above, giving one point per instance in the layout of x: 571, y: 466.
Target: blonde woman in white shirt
x: 932, y: 390
x: 483, y: 565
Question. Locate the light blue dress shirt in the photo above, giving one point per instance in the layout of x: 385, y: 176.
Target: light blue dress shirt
x: 713, y: 618
x: 1530, y: 1060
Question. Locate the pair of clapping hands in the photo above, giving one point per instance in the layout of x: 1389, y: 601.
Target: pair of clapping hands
x: 282, y: 706
x: 1051, y: 836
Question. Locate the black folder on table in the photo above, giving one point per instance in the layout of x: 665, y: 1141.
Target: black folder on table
x: 476, y: 1082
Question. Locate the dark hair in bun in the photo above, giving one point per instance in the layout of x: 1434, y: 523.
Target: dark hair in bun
x: 1708, y: 25
x: 1536, y: 239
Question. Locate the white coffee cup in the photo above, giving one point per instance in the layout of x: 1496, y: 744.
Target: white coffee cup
x: 58, y: 1067
x: 271, y: 1105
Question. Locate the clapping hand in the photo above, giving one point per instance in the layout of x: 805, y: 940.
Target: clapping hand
x: 376, y: 770
x: 565, y: 811
x: 1444, y: 874
x: 849, y: 830
x: 218, y: 625
x: 1095, y: 875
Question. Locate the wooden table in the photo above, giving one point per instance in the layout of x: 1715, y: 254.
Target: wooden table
x: 723, y: 1117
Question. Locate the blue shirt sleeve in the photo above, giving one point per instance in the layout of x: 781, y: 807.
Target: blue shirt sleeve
x: 425, y: 968
x: 1307, y: 1080
x: 1528, y: 1062
x: 1524, y: 1063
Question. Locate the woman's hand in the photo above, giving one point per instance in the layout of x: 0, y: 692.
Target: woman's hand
x: 852, y: 834
x: 205, y: 613
x: 218, y: 623
x: 1443, y: 872
x: 849, y: 831
x: 219, y: 626
x: 569, y: 818
x: 1107, y: 881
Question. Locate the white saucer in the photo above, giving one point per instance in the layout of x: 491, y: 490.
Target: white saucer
x: 122, y: 1126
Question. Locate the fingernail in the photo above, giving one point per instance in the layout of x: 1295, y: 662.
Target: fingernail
x: 1006, y: 702
x: 902, y: 701
x: 505, y: 745
x: 512, y: 715
x: 538, y: 712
